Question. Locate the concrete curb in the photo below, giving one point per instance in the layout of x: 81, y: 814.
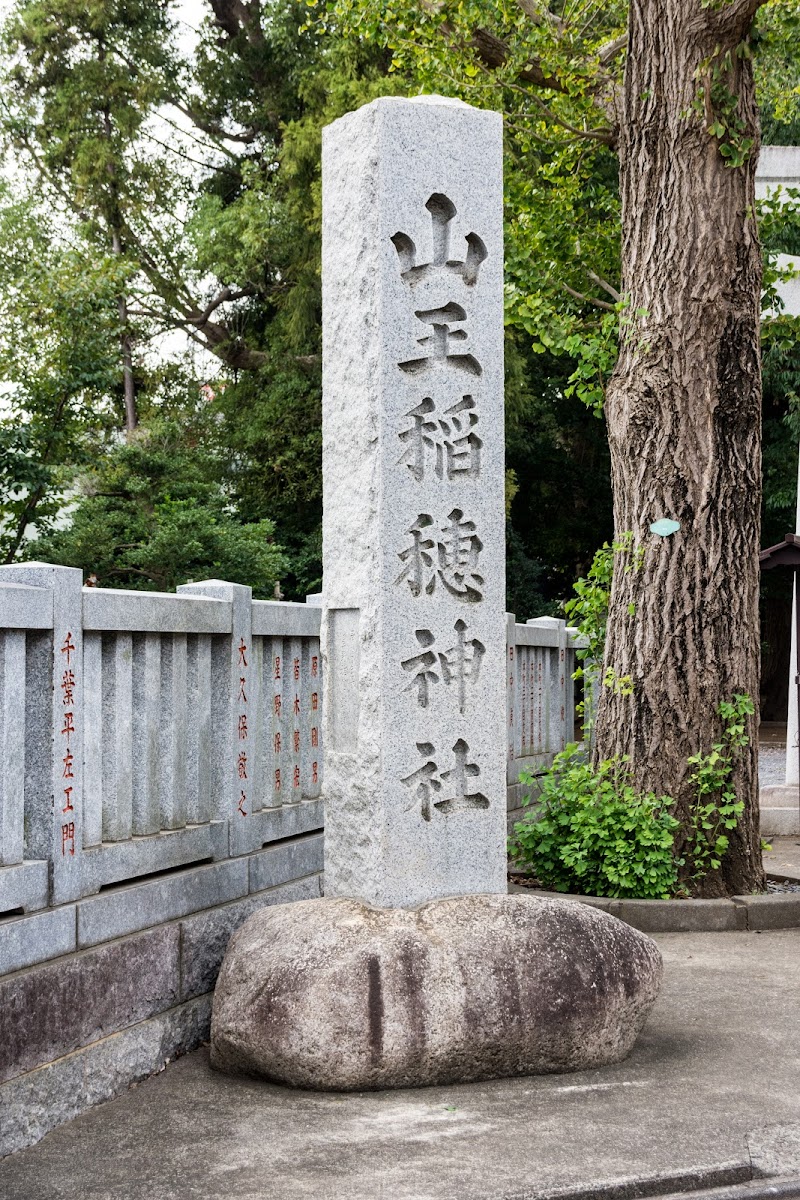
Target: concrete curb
x: 741, y: 913
x: 699, y: 1180
x: 732, y: 1181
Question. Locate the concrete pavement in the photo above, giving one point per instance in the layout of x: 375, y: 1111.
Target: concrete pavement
x: 783, y: 860
x: 710, y: 1093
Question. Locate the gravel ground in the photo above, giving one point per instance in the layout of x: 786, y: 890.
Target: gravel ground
x: 771, y: 765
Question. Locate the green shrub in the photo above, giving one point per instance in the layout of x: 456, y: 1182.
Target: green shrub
x: 592, y: 833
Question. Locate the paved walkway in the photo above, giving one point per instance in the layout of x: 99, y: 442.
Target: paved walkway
x: 783, y: 859
x: 718, y: 1060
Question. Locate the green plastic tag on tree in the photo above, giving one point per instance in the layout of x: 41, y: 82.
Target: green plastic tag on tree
x: 665, y: 527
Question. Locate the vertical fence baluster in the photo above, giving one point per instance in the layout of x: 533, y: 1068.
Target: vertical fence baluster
x: 173, y: 732
x: 198, y: 728
x: 557, y: 697
x: 12, y: 745
x: 305, y: 720
x: 512, y: 715
x: 146, y: 727
x: 267, y: 727
x: 279, y: 723
x: 315, y: 715
x: 258, y: 749
x: 117, y: 737
x: 294, y: 665
x: 200, y: 723
x: 93, y: 739
x: 524, y: 706
x: 569, y: 692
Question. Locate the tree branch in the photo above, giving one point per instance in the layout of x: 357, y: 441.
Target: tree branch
x: 587, y: 299
x: 731, y: 19
x: 609, y: 52
x: 540, y: 14
x: 222, y: 297
x: 606, y: 136
x: 603, y: 283
x: 214, y: 128
x: 494, y: 52
x: 235, y: 17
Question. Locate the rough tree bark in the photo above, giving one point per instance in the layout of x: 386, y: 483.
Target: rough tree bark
x: 684, y: 412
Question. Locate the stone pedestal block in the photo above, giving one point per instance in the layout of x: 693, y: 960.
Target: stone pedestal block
x: 335, y: 994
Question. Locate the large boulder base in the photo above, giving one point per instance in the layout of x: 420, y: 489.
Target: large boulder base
x: 337, y: 995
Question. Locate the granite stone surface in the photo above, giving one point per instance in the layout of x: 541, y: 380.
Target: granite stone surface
x: 128, y: 909
x: 24, y: 885
x: 49, y: 1011
x: 33, y: 1104
x: 289, y: 860
x: 413, y: 626
x: 204, y: 937
x: 36, y: 937
x: 338, y: 995
x: 54, y: 730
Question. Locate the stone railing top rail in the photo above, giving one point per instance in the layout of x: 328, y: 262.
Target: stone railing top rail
x: 107, y: 610
x: 25, y: 607
x: 117, y: 610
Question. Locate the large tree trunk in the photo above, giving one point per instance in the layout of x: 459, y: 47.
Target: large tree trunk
x: 684, y: 415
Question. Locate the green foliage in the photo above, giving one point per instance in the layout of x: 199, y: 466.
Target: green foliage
x: 152, y: 516
x: 592, y: 833
x: 716, y: 808
x: 775, y: 37
x: 219, y: 231
x: 717, y: 104
x: 588, y: 611
x: 58, y: 365
x: 562, y: 199
x: 560, y: 505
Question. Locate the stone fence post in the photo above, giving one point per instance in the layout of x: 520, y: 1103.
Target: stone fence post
x: 235, y: 686
x: 54, y: 714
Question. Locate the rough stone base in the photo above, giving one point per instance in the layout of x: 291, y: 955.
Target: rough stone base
x: 33, y: 1104
x: 338, y: 995
x: 80, y: 1025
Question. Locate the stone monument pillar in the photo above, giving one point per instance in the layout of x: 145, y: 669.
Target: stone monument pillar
x: 413, y: 502
x: 417, y: 967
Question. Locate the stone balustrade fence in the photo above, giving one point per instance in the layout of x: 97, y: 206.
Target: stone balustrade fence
x: 161, y: 761
x: 144, y: 732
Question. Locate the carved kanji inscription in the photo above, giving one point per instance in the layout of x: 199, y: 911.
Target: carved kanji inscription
x: 429, y: 781
x: 443, y: 342
x: 450, y: 558
x: 442, y: 211
x: 459, y: 665
x: 444, y: 442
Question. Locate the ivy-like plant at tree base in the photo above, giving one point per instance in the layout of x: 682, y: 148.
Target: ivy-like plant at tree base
x: 716, y: 808
x: 591, y: 832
